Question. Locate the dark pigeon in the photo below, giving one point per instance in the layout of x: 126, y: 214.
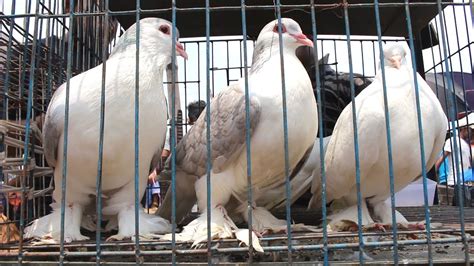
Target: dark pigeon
x: 335, y: 87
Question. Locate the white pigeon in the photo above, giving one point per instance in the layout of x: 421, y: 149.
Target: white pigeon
x: 229, y: 163
x: 119, y: 149
x: 301, y: 179
x: 373, y: 154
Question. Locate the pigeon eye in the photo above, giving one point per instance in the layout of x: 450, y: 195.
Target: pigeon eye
x: 165, y: 29
x: 283, y: 28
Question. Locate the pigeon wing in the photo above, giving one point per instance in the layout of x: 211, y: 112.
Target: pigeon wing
x: 227, y: 133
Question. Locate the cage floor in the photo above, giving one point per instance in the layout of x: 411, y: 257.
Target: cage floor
x: 447, y: 247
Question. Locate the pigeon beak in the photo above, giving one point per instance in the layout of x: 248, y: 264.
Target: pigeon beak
x: 180, y: 50
x: 301, y: 38
x: 396, y: 61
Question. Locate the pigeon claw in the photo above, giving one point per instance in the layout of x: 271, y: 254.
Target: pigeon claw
x: 116, y: 237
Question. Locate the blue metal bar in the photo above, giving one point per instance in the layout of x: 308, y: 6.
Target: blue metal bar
x: 244, y: 249
x: 253, y: 7
x: 464, y: 89
x: 437, y: 94
x: 50, y: 57
x: 459, y: 139
x: 389, y: 138
x: 420, y: 133
x: 212, y: 67
x: 356, y: 138
x: 30, y: 205
x: 467, y: 46
x: 285, y: 133
x: 66, y: 131
x: 105, y: 25
x: 185, y: 113
x: 321, y: 135
x: 433, y: 60
x: 467, y: 35
x: 453, y: 115
x: 173, y: 134
x: 247, y: 130
x: 137, y: 133
x: 208, y: 132
x: 460, y: 58
x: 8, y: 62
x: 25, y: 52
x: 27, y: 129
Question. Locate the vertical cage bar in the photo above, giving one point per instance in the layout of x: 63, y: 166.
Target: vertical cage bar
x: 208, y: 132
x: 285, y: 133
x: 66, y: 130
x: 137, y: 132
x: 321, y: 135
x: 29, y: 110
x: 21, y: 88
x: 455, y: 146
x: 420, y: 132
x: 105, y: 25
x: 50, y: 49
x: 388, y: 135
x: 356, y: 138
x: 461, y: 159
x: 173, y: 134
x: 247, y: 128
x: 8, y: 62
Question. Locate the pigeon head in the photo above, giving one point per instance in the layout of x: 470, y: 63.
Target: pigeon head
x: 267, y: 43
x: 155, y: 39
x: 292, y: 35
x: 395, y: 55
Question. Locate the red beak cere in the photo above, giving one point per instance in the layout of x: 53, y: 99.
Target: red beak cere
x: 301, y: 38
x: 180, y: 50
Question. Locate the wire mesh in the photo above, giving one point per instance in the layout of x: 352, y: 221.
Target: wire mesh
x: 45, y: 43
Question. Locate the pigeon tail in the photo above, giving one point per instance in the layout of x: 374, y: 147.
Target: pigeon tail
x: 221, y: 227
x: 49, y: 226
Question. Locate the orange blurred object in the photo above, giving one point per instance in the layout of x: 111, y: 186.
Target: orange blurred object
x: 14, y: 198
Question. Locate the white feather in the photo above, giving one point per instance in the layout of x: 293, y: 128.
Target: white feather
x: 267, y: 140
x: 118, y: 170
x: 374, y: 172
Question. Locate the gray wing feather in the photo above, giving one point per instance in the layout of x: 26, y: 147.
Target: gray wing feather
x: 227, y: 133
x: 53, y: 128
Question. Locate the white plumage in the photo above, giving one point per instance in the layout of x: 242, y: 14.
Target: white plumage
x: 119, y: 148
x: 229, y: 163
x: 373, y: 154
x: 301, y: 179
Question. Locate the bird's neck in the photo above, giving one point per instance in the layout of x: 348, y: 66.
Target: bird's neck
x: 148, y: 57
x: 264, y: 54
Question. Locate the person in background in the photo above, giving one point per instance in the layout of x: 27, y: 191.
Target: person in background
x: 444, y: 164
x: 194, y: 110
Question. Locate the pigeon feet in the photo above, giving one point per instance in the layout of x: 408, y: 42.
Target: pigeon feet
x: 221, y: 227
x: 89, y: 223
x: 75, y: 237
x: 149, y: 224
x: 116, y: 237
x: 48, y: 228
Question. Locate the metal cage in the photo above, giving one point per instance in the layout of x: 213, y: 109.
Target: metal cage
x: 44, y: 43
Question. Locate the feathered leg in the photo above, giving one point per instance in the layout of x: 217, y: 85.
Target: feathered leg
x: 383, y: 213
x: 122, y: 204
x: 48, y: 228
x: 221, y: 225
x: 349, y: 214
